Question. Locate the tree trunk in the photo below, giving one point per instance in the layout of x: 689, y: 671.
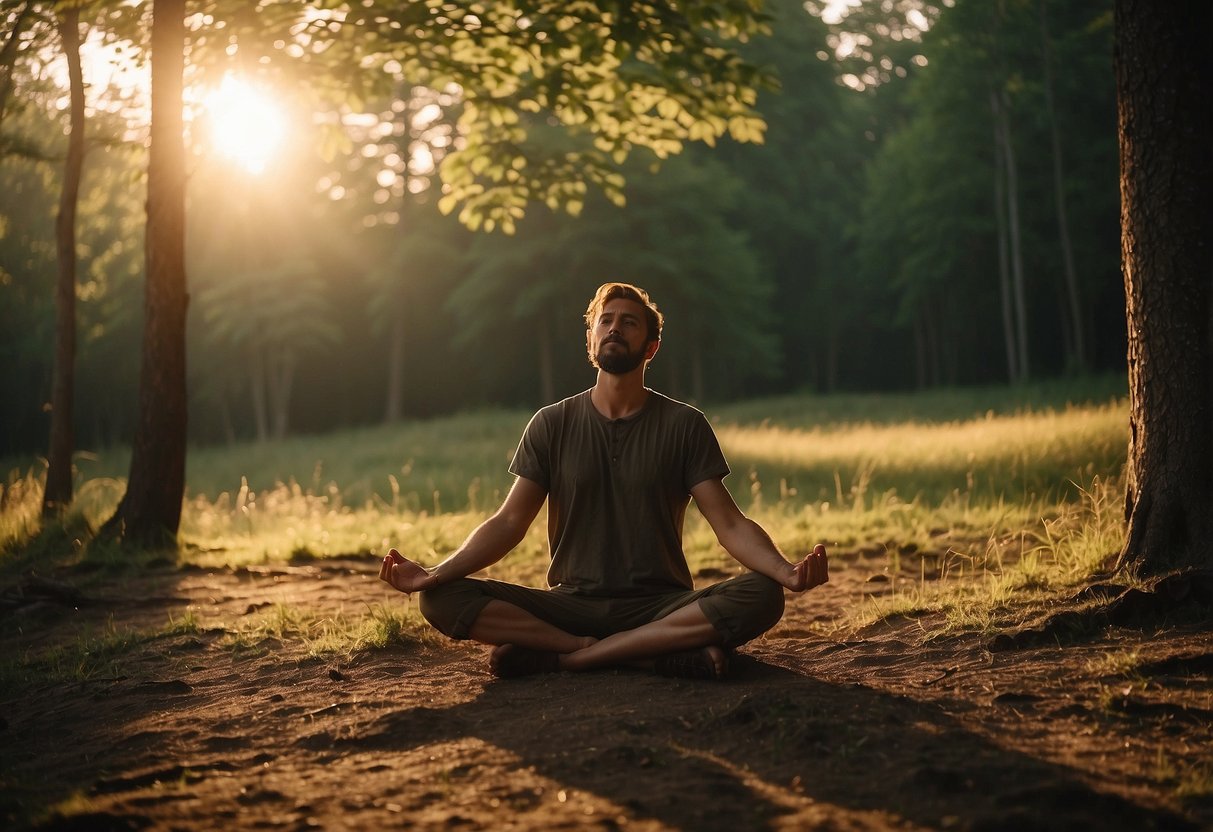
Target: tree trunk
x: 281, y: 377
x: 229, y: 426
x: 150, y: 511
x: 934, y: 348
x: 258, y: 392
x: 394, y: 406
x: 832, y: 354
x: 920, y: 353
x: 1077, y: 358
x: 1164, y: 72
x: 547, y: 373
x: 58, y: 492
x: 1014, y: 239
x: 1004, y: 254
x: 697, y: 384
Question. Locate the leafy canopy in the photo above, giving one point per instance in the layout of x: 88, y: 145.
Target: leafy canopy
x: 614, y: 77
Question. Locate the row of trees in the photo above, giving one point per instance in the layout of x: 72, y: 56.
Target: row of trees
x: 947, y: 222
x: 864, y: 244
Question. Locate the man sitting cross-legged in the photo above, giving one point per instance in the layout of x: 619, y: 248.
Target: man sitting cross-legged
x: 618, y: 465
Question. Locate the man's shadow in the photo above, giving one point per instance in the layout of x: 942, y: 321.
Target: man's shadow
x: 748, y: 751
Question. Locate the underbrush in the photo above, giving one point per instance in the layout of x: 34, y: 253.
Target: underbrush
x: 1014, y: 573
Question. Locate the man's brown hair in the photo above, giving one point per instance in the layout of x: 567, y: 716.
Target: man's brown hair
x: 608, y: 292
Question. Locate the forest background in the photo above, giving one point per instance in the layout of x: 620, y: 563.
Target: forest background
x: 935, y: 204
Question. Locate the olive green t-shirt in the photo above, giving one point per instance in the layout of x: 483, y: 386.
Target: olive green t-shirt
x: 618, y: 491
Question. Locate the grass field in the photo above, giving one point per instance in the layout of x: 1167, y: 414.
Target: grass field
x: 943, y: 483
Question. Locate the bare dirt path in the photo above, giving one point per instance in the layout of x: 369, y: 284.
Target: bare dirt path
x: 885, y: 729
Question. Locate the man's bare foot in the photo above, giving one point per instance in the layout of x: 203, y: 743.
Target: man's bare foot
x: 509, y: 661
x: 710, y: 663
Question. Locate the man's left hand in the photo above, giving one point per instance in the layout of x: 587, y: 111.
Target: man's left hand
x: 813, y: 571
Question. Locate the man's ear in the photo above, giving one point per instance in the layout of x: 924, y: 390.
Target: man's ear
x: 650, y: 350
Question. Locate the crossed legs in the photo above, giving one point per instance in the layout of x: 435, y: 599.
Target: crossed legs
x: 510, y: 627
x: 675, y: 633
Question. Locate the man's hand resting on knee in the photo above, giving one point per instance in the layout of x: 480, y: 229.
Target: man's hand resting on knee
x: 813, y: 571
x: 404, y: 574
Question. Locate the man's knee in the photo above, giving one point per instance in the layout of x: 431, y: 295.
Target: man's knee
x: 767, y: 604
x: 451, y: 608
x: 745, y: 607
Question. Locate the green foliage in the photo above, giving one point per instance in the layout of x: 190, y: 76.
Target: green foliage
x: 651, y: 76
x: 674, y: 239
x: 927, y: 236
x: 853, y: 249
x: 798, y: 196
x: 109, y: 241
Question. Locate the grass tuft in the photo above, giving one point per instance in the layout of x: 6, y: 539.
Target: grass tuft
x: 340, y: 634
x: 89, y: 655
x: 1016, y: 568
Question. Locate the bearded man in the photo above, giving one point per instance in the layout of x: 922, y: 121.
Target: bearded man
x: 618, y: 465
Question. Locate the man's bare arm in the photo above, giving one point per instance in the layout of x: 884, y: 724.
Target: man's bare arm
x: 751, y: 546
x: 488, y: 543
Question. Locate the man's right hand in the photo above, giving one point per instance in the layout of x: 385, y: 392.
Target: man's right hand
x: 404, y: 574
x: 813, y: 571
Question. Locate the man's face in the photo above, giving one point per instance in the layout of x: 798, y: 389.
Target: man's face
x: 619, y: 339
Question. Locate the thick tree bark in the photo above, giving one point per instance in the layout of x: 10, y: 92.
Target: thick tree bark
x: 58, y: 492
x: 1164, y: 72
x: 150, y: 511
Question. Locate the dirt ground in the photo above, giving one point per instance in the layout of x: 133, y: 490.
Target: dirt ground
x: 888, y: 728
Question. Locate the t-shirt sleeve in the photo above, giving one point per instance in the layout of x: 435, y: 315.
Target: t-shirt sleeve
x: 532, y: 459
x: 704, y: 459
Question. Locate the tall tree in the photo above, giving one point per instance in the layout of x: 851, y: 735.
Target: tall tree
x: 1010, y: 239
x: 1164, y: 71
x: 150, y: 510
x: 58, y: 492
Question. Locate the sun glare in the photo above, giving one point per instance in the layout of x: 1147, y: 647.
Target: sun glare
x: 246, y: 125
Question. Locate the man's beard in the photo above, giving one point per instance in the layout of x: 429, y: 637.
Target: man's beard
x: 618, y: 362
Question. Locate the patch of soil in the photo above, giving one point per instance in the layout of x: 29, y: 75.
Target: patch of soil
x: 893, y: 727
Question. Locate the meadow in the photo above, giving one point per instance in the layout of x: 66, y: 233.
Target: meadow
x: 1019, y: 485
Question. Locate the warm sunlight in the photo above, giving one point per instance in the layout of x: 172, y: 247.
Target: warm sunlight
x: 245, y: 123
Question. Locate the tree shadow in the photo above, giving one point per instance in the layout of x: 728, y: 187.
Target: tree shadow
x: 770, y: 748
x: 744, y: 754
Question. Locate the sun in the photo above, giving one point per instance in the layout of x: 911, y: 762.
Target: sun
x: 246, y: 124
